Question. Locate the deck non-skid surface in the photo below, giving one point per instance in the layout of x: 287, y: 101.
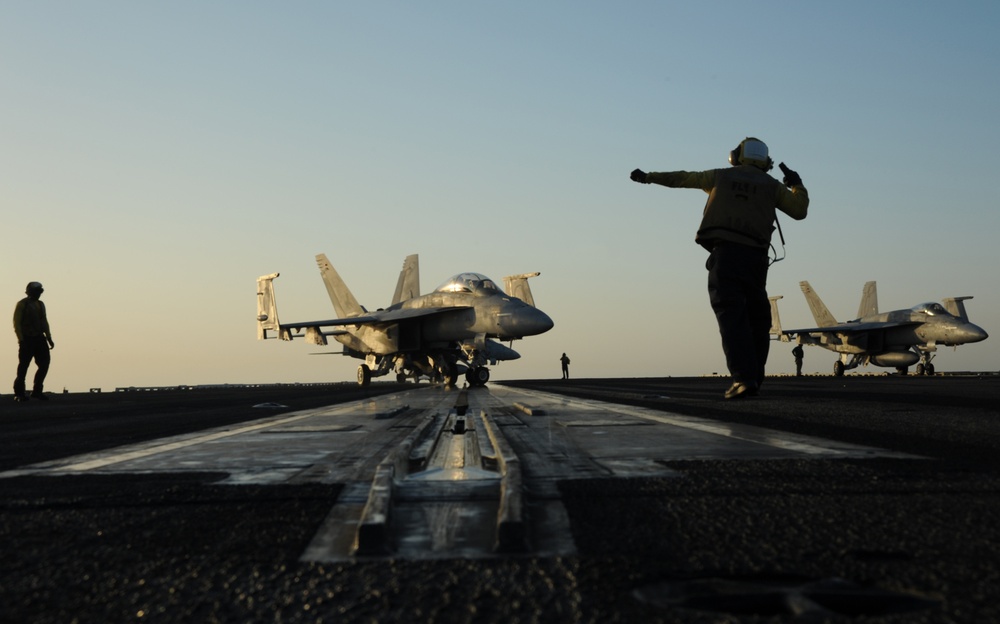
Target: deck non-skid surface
x: 872, y: 499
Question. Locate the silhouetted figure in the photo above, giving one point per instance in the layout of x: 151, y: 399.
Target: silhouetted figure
x: 565, y: 366
x: 34, y: 340
x: 736, y: 230
x: 798, y: 354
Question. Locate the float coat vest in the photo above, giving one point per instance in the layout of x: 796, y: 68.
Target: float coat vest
x: 740, y: 208
x: 29, y: 319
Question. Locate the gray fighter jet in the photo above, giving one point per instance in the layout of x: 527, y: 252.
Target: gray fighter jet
x: 437, y: 335
x: 897, y: 339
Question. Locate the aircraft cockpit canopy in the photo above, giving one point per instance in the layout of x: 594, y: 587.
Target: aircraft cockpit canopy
x: 468, y: 282
x: 930, y: 309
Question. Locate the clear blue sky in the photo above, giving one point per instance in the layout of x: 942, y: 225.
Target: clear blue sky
x: 155, y: 158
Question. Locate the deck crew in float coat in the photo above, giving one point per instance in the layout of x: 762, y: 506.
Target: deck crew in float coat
x: 736, y: 229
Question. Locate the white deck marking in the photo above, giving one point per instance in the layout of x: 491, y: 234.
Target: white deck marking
x: 94, y: 464
x: 808, y: 445
x: 244, y: 453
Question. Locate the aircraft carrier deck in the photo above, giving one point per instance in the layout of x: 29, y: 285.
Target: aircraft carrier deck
x: 853, y: 499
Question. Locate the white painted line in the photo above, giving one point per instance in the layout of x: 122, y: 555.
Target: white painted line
x: 103, y: 459
x: 173, y: 446
x: 110, y: 457
x: 808, y: 445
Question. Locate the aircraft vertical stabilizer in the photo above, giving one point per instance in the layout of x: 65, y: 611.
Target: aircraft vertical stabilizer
x: 267, y: 309
x: 408, y: 285
x: 517, y: 286
x: 775, y: 318
x: 955, y: 306
x: 819, y: 309
x: 343, y: 300
x: 869, y: 301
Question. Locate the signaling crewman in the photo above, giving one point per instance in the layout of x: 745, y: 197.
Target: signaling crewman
x: 33, y: 342
x: 736, y: 230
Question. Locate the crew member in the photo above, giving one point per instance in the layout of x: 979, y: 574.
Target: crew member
x: 33, y: 342
x: 736, y: 230
x: 565, y: 366
x: 798, y: 354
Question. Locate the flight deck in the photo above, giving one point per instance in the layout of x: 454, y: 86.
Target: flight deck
x: 446, y: 461
x: 590, y: 500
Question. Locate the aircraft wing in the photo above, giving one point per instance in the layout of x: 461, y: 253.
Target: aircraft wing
x: 394, y: 316
x: 849, y: 328
x: 376, y: 318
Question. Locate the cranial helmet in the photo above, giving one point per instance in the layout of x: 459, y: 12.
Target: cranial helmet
x: 751, y: 151
x: 33, y: 287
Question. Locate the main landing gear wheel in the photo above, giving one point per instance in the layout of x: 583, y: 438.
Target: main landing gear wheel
x: 478, y: 376
x: 364, y: 375
x: 838, y: 369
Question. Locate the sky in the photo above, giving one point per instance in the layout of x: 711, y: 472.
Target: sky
x: 155, y: 158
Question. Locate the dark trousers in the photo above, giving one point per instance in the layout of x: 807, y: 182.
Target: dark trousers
x: 737, y: 288
x: 32, y: 348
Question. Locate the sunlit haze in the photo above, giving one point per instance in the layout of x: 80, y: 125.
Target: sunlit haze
x: 157, y: 157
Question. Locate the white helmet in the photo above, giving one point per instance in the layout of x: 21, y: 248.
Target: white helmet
x: 751, y: 151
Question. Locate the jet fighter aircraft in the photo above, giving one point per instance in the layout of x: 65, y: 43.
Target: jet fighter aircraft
x: 436, y: 334
x: 897, y: 339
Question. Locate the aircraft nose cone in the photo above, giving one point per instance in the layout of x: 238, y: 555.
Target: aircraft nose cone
x: 975, y: 333
x: 530, y: 321
x: 968, y: 332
